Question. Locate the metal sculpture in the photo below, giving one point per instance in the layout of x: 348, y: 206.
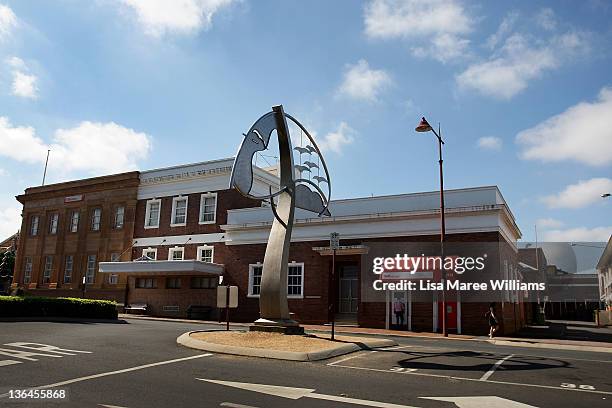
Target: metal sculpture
x: 293, y: 192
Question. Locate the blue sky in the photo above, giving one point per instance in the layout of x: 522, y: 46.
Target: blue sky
x: 522, y: 89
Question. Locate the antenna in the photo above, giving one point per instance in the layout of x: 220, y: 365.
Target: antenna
x: 46, y: 163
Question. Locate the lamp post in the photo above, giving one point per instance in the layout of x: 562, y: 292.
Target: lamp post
x: 424, y: 126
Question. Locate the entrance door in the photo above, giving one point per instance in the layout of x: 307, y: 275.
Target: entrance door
x: 348, y: 286
x: 451, y: 316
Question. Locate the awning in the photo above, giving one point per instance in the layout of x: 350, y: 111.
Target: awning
x: 187, y: 267
x: 343, y: 250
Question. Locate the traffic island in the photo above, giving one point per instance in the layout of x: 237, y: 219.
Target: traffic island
x: 278, y: 346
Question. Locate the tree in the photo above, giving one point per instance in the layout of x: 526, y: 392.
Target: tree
x: 7, y: 265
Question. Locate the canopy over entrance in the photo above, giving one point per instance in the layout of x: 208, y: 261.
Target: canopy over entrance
x: 187, y: 267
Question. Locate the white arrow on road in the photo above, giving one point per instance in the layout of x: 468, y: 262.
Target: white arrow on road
x: 481, y: 402
x: 297, y: 393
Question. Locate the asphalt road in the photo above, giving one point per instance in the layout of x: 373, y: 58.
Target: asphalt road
x: 139, y: 364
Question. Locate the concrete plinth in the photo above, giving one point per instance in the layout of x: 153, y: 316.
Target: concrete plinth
x: 284, y: 326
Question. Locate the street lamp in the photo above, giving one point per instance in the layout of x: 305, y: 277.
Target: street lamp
x: 424, y: 126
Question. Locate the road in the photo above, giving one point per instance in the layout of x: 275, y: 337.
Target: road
x: 138, y: 364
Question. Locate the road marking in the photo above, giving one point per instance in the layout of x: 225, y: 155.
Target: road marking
x: 297, y: 393
x: 552, y: 387
x: 108, y: 373
x: 481, y: 402
x: 489, y: 373
x: 346, y: 359
x: 232, y: 405
x: 47, y: 348
x: 8, y: 362
x: 110, y: 406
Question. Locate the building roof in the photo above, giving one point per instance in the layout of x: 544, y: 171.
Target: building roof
x: 606, y: 256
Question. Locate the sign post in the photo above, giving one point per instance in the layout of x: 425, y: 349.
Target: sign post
x: 227, y: 297
x: 334, y: 244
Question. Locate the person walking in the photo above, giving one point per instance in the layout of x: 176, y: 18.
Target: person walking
x: 493, y: 324
x: 398, y: 310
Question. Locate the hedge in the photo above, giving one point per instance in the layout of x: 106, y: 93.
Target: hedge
x: 37, y: 306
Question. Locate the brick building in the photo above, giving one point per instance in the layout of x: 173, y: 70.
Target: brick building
x: 184, y: 231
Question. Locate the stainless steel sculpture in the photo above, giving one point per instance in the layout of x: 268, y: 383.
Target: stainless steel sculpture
x: 293, y: 192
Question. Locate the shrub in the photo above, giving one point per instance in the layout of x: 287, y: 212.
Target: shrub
x: 35, y: 306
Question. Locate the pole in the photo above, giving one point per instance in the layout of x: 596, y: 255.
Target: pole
x: 227, y: 295
x: 442, y: 233
x: 334, y: 290
x: 46, y: 163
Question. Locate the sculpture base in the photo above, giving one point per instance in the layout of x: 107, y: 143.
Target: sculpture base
x: 282, y: 326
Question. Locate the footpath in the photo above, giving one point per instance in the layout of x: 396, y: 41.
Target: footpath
x: 534, y: 342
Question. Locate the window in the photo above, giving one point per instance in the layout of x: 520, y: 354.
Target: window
x: 48, y: 268
x: 27, y: 270
x: 208, y: 208
x: 150, y: 253
x: 74, y: 221
x: 176, y: 254
x: 205, y: 253
x: 34, y: 225
x: 113, y: 279
x: 119, y: 217
x: 295, y: 280
x: 96, y: 218
x: 53, y: 220
x: 90, y: 274
x: 68, y: 267
x: 199, y: 282
x: 255, y: 279
x: 146, y: 283
x: 173, y: 283
x: 152, y: 213
x: 179, y: 211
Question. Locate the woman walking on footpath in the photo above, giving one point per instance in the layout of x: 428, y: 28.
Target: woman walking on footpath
x: 493, y: 325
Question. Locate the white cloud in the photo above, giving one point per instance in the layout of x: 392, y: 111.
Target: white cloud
x: 580, y: 234
x: 580, y: 195
x: 503, y: 30
x: 440, y: 25
x: 336, y: 141
x: 91, y: 148
x: 546, y: 19
x: 547, y: 223
x: 582, y: 133
x: 3, y: 173
x: 361, y: 82
x: 10, y: 221
x: 490, y: 143
x: 8, y: 21
x: 160, y: 17
x: 24, y: 85
x: 521, y: 59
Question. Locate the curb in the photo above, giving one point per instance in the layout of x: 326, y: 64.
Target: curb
x: 554, y: 346
x: 60, y: 319
x: 186, y: 340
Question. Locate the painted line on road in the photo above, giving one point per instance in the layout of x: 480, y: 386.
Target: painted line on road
x: 232, y: 405
x: 551, y: 387
x: 489, y: 373
x: 8, y: 362
x: 108, y: 373
x: 346, y: 359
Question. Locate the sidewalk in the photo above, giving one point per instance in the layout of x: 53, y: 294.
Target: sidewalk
x: 561, y: 344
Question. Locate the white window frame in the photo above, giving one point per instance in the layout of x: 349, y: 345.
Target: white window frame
x: 90, y: 272
x: 113, y: 279
x: 74, y: 222
x: 27, y: 270
x: 173, y: 214
x: 259, y: 264
x: 301, y: 295
x: 48, y: 269
x: 201, y: 213
x: 53, y: 223
x: 171, y: 252
x: 251, y: 270
x: 204, y: 248
x: 149, y: 249
x: 116, y: 225
x: 96, y: 221
x: 34, y: 225
x: 68, y: 271
x: 148, y: 212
